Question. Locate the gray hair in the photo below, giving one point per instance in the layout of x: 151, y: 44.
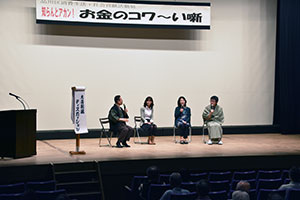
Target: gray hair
x: 240, y: 195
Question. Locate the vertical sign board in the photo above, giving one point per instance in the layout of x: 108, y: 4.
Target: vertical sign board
x: 78, y: 114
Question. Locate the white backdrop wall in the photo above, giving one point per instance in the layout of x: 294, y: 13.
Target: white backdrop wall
x: 234, y: 60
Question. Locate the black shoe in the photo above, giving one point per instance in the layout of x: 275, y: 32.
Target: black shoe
x: 118, y: 145
x: 186, y: 142
x: 125, y: 144
x: 181, y: 142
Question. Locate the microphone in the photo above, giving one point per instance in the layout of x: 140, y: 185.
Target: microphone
x: 20, y: 99
x: 124, y: 106
x: 11, y: 94
x: 212, y: 107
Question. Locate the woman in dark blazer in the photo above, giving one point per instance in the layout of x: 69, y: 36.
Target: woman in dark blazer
x: 183, y: 119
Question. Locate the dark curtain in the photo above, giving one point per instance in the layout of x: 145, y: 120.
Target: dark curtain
x: 287, y: 75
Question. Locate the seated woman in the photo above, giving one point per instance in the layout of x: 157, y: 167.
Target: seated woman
x: 183, y: 119
x: 148, y: 126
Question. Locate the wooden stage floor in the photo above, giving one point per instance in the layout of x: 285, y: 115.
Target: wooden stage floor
x: 57, y: 151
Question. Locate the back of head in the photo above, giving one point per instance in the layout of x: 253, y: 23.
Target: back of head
x: 295, y: 174
x: 175, y: 180
x: 202, y: 188
x: 153, y: 174
x: 240, y: 195
x: 243, y: 186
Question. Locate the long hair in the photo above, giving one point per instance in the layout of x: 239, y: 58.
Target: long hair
x: 178, y: 102
x: 149, y: 99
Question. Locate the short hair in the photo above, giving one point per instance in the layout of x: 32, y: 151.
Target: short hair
x: 178, y: 101
x: 202, y: 187
x: 117, y: 98
x: 153, y: 173
x: 240, y: 195
x: 149, y: 99
x: 175, y: 179
x: 295, y: 174
x: 215, y: 98
x: 243, y: 186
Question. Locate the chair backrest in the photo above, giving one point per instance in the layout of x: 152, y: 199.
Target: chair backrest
x: 271, y: 174
x: 41, y: 186
x: 218, y: 195
x: 50, y: 195
x: 293, y: 194
x: 157, y: 190
x: 137, y: 120
x: 12, y: 188
x: 220, y: 176
x: 189, y: 196
x: 104, y: 122
x: 264, y: 193
x: 189, y: 186
x: 285, y: 174
x: 247, y: 175
x: 219, y: 185
x: 17, y: 196
x: 199, y: 176
x: 137, y: 181
x: 164, y: 178
x: 268, y: 184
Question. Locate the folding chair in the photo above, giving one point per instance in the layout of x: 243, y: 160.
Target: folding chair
x: 174, y: 134
x: 104, y: 122
x: 137, y: 122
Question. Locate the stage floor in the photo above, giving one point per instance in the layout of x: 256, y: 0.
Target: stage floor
x: 57, y: 151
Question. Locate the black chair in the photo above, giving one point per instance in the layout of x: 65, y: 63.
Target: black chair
x: 220, y: 195
x: 137, y: 181
x: 41, y: 186
x: 17, y: 196
x: 219, y: 185
x: 165, y: 178
x: 268, y: 184
x: 285, y: 174
x: 50, y: 195
x: 189, y: 186
x: 220, y: 176
x: 104, y: 122
x: 264, y: 193
x: 268, y: 174
x: 199, y: 176
x: 246, y: 175
x: 157, y: 190
x: 16, y: 188
x: 189, y: 196
x: 293, y: 194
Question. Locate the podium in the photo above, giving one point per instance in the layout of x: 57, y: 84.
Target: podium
x: 17, y: 133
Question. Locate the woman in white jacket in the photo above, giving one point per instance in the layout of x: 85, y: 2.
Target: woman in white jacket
x: 147, y: 120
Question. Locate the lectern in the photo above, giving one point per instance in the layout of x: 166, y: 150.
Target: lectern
x: 17, y: 133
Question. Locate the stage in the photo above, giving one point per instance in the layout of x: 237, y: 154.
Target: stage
x: 116, y: 167
x: 237, y: 145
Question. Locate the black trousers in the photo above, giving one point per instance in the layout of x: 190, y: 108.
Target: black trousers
x: 183, y: 130
x: 149, y: 129
x: 124, y: 132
